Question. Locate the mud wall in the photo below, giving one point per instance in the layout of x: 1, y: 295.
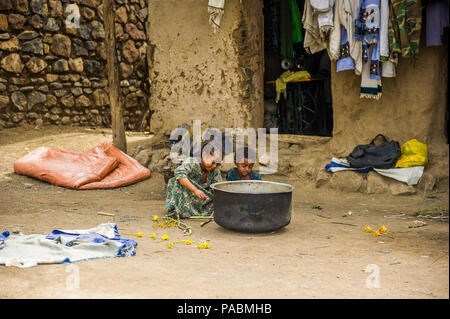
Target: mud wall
x: 197, y: 74
x: 412, y: 105
x: 54, y: 72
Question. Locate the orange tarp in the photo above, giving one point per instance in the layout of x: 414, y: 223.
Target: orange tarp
x: 104, y: 166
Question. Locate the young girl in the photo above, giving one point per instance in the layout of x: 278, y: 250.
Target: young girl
x: 189, y: 192
x: 244, y: 166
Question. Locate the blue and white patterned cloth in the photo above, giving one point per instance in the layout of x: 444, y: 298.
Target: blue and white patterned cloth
x: 64, y: 246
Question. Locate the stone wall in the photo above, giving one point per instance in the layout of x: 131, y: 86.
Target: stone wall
x: 55, y: 72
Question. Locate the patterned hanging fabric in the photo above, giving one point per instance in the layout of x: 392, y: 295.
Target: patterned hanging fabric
x: 404, y: 27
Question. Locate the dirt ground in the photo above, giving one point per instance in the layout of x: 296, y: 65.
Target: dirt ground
x: 320, y: 254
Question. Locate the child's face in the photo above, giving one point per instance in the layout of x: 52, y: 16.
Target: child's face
x: 244, y: 168
x: 211, y: 161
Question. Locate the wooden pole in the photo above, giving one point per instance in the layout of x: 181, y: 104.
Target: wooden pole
x: 115, y: 99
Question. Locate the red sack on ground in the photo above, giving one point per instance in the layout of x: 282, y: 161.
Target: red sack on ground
x: 128, y: 172
x: 104, y: 166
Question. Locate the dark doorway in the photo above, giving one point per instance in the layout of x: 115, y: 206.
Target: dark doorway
x: 307, y: 107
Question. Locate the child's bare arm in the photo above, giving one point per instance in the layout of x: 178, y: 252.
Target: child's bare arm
x: 186, y: 183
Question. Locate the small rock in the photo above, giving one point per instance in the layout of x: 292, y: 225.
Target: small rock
x: 16, y: 21
x: 76, y: 65
x: 68, y: 101
x: 91, y: 45
x: 65, y: 120
x: 51, y: 100
x: 3, y: 22
x: 11, y: 45
x: 36, y: 65
x: 12, y: 63
x: 19, y: 100
x: 34, y: 98
x: 28, y: 35
x: 121, y: 14
x: 60, y: 66
x: 87, y: 13
x: 82, y: 101
x: 22, y: 6
x: 61, y: 45
x: 85, y: 32
x: 98, y: 32
x: 52, y: 25
x: 398, y: 188
x: 35, y: 46
x: 56, y: 8
x: 92, y: 66
x: 134, y: 33
x: 4, y: 101
x: 39, y: 123
x: 36, y: 21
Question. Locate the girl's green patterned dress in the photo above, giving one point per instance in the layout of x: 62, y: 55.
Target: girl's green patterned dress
x: 181, y: 200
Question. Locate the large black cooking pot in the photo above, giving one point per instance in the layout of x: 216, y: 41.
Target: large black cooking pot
x: 252, y: 206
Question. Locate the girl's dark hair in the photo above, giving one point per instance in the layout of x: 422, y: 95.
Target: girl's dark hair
x: 214, y: 147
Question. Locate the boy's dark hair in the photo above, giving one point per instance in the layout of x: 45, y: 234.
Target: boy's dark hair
x: 245, y: 152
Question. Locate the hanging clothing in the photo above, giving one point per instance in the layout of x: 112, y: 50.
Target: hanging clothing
x: 404, y: 27
x: 216, y: 11
x: 297, y: 36
x: 344, y: 16
x: 384, y: 26
x: 287, y: 47
x: 370, y: 77
x: 389, y: 59
x: 313, y: 41
x: 367, y: 23
x: 388, y: 68
x: 324, y: 10
x: 437, y: 20
x: 345, y: 61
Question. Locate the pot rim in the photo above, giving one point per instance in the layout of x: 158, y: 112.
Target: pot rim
x: 214, y: 187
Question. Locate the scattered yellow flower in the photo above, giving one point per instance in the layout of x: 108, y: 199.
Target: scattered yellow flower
x: 153, y: 235
x: 376, y: 233
x: 368, y: 229
x: 170, y: 246
x: 139, y: 234
x: 383, y: 229
x: 155, y: 218
x: 204, y: 245
x: 188, y: 241
x: 165, y: 237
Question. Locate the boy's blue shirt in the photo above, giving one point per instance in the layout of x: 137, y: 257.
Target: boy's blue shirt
x: 233, y: 175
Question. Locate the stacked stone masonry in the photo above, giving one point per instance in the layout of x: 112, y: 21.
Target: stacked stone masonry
x: 53, y: 65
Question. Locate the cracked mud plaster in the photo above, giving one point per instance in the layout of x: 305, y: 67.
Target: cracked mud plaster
x: 197, y: 74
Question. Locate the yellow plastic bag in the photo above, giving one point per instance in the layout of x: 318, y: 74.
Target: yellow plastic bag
x: 414, y: 153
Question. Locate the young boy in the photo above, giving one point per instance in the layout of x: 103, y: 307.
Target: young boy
x: 244, y: 166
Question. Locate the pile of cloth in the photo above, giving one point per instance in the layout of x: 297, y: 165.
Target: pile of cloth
x: 408, y: 175
x: 64, y: 246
